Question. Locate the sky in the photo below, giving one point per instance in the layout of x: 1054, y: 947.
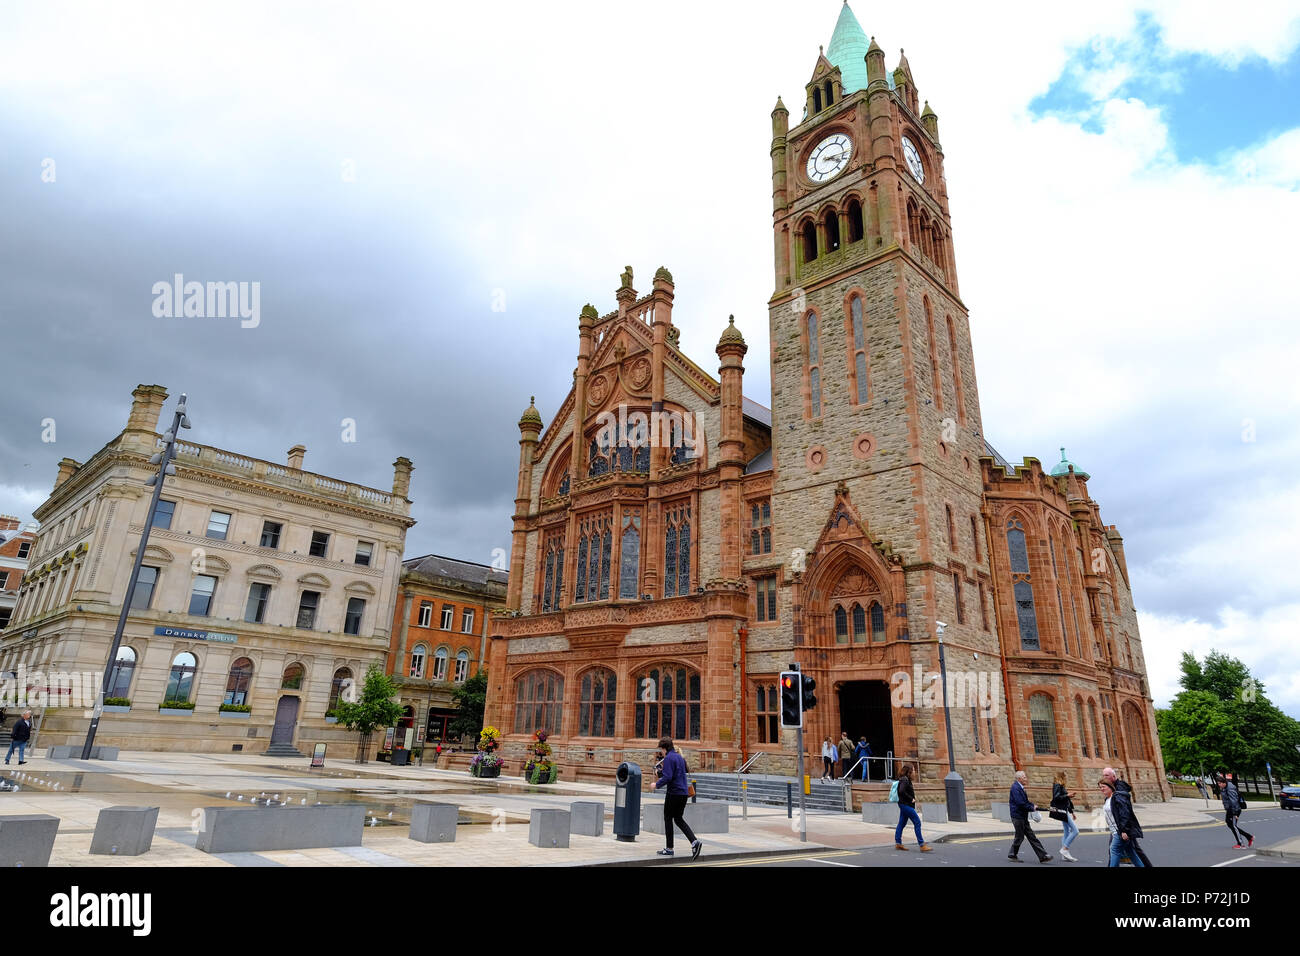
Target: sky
x: 427, y: 195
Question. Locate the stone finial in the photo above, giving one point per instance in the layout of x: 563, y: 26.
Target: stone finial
x: 296, y: 455
x: 780, y: 107
x: 531, y: 418
x: 663, y: 275
x: 402, y: 469
x: 731, y: 337
x: 588, y: 315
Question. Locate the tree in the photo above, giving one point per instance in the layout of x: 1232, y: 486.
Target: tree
x: 374, y: 708
x: 471, y: 700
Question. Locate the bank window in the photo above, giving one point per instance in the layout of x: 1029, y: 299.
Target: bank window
x: 259, y: 595
x: 162, y: 517
x: 180, y: 681
x: 307, y: 607
x: 364, y: 550
x: 271, y: 534
x: 218, y: 525
x: 201, y: 595
x: 144, y: 588
x: 342, y: 681
x: 293, y: 676
x: 767, y: 712
x: 119, y: 681
x: 238, y: 681
x: 352, y: 620
x: 320, y: 543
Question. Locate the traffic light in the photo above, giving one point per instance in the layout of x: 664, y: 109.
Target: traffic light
x: 809, y: 698
x: 791, y: 713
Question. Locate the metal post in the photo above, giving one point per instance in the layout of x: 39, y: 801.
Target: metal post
x: 744, y: 798
x: 953, y: 784
x: 789, y: 801
x: 803, y: 800
x: 165, y: 467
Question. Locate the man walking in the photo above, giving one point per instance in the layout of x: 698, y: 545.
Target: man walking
x: 1021, y: 807
x: 1232, y: 807
x: 846, y: 754
x: 22, y: 733
x: 1123, y: 786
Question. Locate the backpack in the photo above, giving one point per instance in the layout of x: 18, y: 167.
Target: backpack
x: 893, y: 792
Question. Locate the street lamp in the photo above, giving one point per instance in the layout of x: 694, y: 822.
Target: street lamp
x: 953, y: 785
x: 163, y: 460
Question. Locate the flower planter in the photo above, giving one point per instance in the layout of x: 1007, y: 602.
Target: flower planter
x: 175, y: 711
x: 481, y: 771
x: 117, y: 709
x: 243, y: 714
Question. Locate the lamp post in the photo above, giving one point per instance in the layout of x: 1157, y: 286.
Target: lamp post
x: 163, y: 460
x: 953, y: 785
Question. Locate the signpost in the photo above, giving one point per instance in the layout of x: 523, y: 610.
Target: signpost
x: 318, y: 756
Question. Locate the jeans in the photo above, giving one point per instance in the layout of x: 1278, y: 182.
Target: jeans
x: 906, y: 813
x: 674, y: 808
x: 1234, y: 824
x: 828, y: 767
x: 1071, y: 831
x: 22, y: 748
x: 845, y: 763
x: 1120, y: 847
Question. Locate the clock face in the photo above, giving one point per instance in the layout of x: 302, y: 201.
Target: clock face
x: 913, y: 160
x: 830, y: 157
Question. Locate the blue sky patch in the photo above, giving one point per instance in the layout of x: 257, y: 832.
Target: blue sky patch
x: 1210, y: 108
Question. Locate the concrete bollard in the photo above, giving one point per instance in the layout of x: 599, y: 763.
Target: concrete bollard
x: 235, y: 829
x: 1001, y: 811
x: 933, y: 812
x: 705, y: 817
x: 587, y: 818
x: 548, y: 828
x: 27, y: 839
x: 124, y: 831
x: 433, y: 822
x: 885, y: 814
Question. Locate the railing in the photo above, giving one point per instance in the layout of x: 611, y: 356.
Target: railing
x: 744, y: 767
x: 888, y: 762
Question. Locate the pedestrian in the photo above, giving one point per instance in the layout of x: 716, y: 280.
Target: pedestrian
x: 863, y: 753
x: 672, y: 775
x: 1122, y: 786
x: 1200, y: 785
x: 22, y: 733
x: 846, y: 754
x: 1021, y: 808
x: 1232, y: 807
x: 907, y: 810
x: 829, y: 755
x: 1123, y: 823
x: 1063, y: 810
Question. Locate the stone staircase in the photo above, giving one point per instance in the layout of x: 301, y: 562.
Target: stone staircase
x: 284, y: 750
x: 770, y: 790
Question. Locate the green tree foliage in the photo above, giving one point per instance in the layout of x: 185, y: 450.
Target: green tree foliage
x: 471, y: 699
x: 1222, y: 720
x: 374, y: 708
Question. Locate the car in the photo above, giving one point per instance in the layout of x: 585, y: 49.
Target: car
x: 1290, y: 798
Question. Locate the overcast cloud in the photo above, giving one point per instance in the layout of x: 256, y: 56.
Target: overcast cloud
x: 388, y: 174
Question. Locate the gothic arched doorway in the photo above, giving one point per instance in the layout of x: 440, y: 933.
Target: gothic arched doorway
x: 865, y: 711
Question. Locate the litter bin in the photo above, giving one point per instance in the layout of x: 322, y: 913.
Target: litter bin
x: 400, y: 757
x: 627, y: 802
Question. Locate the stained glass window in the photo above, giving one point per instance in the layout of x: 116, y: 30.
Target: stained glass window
x: 859, y: 624
x: 597, y: 704
x: 630, y: 558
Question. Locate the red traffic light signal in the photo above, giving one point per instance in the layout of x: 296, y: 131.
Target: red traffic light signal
x: 791, y: 687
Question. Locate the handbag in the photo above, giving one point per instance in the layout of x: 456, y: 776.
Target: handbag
x: 690, y: 788
x: 1057, y: 814
x: 893, y: 792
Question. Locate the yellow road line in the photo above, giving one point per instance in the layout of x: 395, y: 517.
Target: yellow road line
x: 1003, y: 838
x: 810, y: 855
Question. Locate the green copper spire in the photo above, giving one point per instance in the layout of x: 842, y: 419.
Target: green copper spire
x: 848, y: 51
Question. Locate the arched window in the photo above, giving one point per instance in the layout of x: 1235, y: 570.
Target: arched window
x: 936, y: 382
x: 975, y: 726
x: 539, y: 702
x: 809, y: 241
x: 596, y: 706
x: 440, y: 664
x: 956, y: 372
x: 975, y: 538
x: 814, y: 367
x: 292, y: 679
x: 668, y: 702
x: 119, y: 681
x: 830, y: 95
x: 553, y: 580
x: 831, y: 223
x: 677, y: 549
x: 1022, y: 589
x: 841, y: 625
x: 626, y: 450
x: 180, y: 682
x: 1083, y: 728
x: 859, y: 624
x: 1092, y: 720
x: 855, y: 220
x: 817, y: 99
x: 237, y: 683
x: 858, y: 351
x: 629, y: 565
x: 342, y: 681
x: 595, y: 537
x: 877, y: 614
x: 1042, y: 722
x: 462, y: 666
x: 1135, y: 733
x: 952, y: 528
x: 418, y: 654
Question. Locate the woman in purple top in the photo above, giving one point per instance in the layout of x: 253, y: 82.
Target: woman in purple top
x: 672, y: 774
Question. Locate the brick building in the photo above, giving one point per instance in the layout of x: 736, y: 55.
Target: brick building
x: 676, y: 545
x: 439, y: 638
x: 15, y: 546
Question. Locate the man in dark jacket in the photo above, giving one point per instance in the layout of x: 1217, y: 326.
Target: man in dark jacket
x: 1021, y: 807
x: 1232, y: 807
x: 1123, y: 787
x: 22, y: 733
x: 672, y: 774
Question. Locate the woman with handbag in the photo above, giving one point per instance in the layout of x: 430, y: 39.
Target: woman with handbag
x: 906, y: 798
x: 1062, y: 808
x: 672, y: 775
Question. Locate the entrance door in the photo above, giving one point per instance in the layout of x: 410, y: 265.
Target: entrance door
x: 865, y: 711
x: 286, y: 719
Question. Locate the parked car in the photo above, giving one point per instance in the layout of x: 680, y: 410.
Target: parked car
x: 1290, y: 798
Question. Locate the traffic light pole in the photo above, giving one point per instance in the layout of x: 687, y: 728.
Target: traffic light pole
x: 803, y: 800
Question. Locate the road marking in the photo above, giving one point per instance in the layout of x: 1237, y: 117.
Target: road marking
x: 1237, y: 860
x: 827, y: 862
x: 1003, y: 838
x: 775, y: 859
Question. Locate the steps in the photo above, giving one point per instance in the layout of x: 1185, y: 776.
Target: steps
x: 771, y: 790
x: 284, y: 750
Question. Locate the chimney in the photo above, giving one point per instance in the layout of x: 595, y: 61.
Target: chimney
x: 296, y: 455
x: 8, y: 523
x: 67, y: 468
x: 142, y: 424
x: 402, y: 469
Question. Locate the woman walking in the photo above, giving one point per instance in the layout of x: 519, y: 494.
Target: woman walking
x: 673, y: 776
x: 830, y: 753
x: 1062, y: 808
x: 907, y: 810
x: 1124, y: 828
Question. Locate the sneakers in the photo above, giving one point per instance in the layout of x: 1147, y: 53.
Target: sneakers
x: 1250, y: 841
x: 1238, y: 846
x: 696, y: 847
x: 926, y: 848
x: 1066, y: 855
x: 899, y: 846
x: 665, y: 852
